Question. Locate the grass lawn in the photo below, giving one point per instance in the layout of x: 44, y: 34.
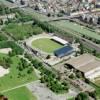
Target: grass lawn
x: 97, y: 88
x: 46, y: 45
x: 20, y: 94
x: 97, y: 81
x: 66, y: 25
x: 21, y: 31
x: 12, y: 80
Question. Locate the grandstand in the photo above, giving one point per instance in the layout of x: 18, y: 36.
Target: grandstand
x: 64, y: 51
x: 59, y: 40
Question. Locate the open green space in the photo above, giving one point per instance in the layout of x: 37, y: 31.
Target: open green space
x: 21, y: 31
x: 67, y: 25
x: 20, y: 94
x: 17, y: 75
x: 46, y: 45
x: 97, y: 88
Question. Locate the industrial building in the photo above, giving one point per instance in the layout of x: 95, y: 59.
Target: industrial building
x: 87, y: 64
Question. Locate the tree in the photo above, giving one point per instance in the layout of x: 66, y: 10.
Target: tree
x: 48, y: 57
x: 1, y: 22
x: 36, y: 7
x: 91, y: 20
x: 82, y: 96
x: 81, y: 49
x: 49, y: 15
x: 22, y: 2
x: 71, y: 76
x: 30, y: 70
x: 94, y: 52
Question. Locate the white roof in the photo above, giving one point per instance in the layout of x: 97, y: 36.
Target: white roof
x: 62, y: 41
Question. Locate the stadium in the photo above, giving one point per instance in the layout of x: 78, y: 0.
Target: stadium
x: 50, y: 45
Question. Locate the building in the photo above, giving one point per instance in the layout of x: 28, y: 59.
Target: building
x: 64, y: 51
x: 87, y: 64
x: 59, y: 40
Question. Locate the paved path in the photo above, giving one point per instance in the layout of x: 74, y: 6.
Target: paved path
x: 16, y: 87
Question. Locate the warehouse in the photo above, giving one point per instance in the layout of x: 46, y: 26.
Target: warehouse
x: 64, y: 51
x: 87, y: 64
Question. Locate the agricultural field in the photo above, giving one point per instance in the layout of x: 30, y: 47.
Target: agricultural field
x: 20, y: 94
x: 22, y: 31
x: 18, y: 74
x: 67, y: 25
x: 46, y: 45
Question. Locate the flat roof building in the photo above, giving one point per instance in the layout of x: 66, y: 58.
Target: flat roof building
x: 87, y: 64
x: 64, y: 51
x: 62, y: 41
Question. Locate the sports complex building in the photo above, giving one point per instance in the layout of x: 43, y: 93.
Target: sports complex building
x: 46, y: 44
x: 65, y: 50
x: 87, y: 64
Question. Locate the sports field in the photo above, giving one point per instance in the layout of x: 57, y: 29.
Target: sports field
x: 46, y: 45
x: 20, y: 94
x: 76, y: 28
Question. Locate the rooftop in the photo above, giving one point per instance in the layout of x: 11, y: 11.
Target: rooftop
x: 62, y: 41
x: 84, y: 63
x: 66, y: 50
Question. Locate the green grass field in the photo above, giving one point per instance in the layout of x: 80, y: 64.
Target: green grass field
x: 97, y: 88
x: 97, y: 81
x: 12, y: 80
x: 46, y: 45
x: 21, y: 31
x: 66, y: 26
x: 20, y: 94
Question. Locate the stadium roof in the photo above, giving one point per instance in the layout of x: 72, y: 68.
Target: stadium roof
x: 84, y: 63
x: 62, y: 41
x: 64, y: 51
